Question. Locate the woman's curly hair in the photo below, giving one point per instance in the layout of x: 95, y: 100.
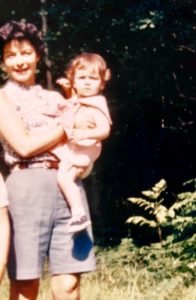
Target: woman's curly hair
x: 21, y: 31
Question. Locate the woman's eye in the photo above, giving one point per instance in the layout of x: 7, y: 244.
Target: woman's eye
x: 26, y: 53
x: 9, y: 55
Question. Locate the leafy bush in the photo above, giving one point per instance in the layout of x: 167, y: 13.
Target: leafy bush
x: 178, y: 220
x: 179, y: 216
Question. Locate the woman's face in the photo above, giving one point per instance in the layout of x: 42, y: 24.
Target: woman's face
x: 20, y: 61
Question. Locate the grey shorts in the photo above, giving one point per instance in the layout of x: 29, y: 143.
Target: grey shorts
x: 39, y: 218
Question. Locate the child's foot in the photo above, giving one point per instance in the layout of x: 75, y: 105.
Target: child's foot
x: 78, y: 223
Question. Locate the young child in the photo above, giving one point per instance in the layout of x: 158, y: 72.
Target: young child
x: 86, y: 121
x: 4, y: 227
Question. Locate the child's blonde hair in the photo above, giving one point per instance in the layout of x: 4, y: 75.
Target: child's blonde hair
x: 87, y: 60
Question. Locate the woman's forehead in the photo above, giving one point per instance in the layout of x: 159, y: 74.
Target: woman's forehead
x: 16, y: 44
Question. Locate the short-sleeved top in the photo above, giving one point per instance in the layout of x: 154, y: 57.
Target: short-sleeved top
x: 3, y: 193
x: 3, y: 203
x: 30, y: 102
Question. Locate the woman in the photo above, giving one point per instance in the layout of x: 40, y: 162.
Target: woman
x: 39, y: 213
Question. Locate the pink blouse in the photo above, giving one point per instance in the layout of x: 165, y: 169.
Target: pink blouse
x: 30, y: 102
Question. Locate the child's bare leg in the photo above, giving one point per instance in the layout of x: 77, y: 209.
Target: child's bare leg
x: 67, y: 181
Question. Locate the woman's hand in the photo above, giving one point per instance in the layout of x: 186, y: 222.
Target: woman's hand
x: 100, y: 129
x: 78, y: 135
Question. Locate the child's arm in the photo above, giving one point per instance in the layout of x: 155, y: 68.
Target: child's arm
x: 4, y: 227
x: 100, y: 132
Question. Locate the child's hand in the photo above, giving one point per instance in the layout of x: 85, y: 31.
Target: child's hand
x: 64, y: 83
x: 66, y: 86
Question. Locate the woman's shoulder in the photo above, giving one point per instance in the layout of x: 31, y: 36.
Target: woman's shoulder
x: 53, y: 95
x: 2, y: 87
x: 3, y: 98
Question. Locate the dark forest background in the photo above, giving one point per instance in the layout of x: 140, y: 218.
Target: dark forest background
x: 150, y: 49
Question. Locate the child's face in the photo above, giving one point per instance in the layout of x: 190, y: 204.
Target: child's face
x: 87, y: 82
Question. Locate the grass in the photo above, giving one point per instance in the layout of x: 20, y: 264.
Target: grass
x: 122, y: 275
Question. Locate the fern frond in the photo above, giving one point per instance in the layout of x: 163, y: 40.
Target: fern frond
x: 191, y: 181
x: 182, y: 220
x: 161, y: 185
x: 188, y: 195
x: 156, y: 190
x: 161, y: 213
x: 171, y: 213
x: 142, y: 203
x: 151, y: 194
x: 179, y: 204
x: 141, y: 221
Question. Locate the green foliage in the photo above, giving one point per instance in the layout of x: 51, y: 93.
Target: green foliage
x: 180, y: 216
x: 153, y: 205
x: 130, y: 273
x: 150, y: 48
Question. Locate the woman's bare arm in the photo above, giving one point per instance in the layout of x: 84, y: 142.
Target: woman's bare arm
x: 4, y: 238
x: 4, y: 228
x: 25, y: 144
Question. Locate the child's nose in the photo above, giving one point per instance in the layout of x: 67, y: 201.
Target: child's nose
x: 87, y: 81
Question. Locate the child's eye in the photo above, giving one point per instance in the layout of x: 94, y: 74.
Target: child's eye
x: 94, y: 78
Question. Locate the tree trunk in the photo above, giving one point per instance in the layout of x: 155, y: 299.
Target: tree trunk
x: 46, y: 59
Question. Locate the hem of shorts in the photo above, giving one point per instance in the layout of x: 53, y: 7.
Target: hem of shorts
x: 23, y: 276
x: 73, y: 271
x: 37, y: 276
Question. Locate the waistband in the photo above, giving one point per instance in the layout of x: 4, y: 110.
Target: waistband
x: 46, y: 164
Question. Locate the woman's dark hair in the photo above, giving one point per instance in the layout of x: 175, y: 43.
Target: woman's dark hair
x: 21, y: 31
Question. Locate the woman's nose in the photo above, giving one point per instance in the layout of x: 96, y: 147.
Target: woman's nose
x: 19, y: 61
